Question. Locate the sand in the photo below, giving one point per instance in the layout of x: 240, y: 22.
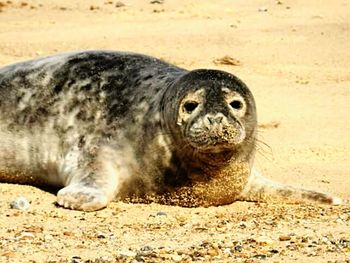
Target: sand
x: 294, y: 56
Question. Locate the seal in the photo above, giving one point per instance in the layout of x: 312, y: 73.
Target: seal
x: 102, y: 125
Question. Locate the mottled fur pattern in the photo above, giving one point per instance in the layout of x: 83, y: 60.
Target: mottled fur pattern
x: 102, y: 125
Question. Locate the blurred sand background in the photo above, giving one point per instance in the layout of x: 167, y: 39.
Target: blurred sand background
x: 294, y: 56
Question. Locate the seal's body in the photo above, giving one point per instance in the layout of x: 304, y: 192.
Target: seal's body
x: 107, y: 124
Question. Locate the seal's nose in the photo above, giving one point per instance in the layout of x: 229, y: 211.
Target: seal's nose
x: 216, y: 119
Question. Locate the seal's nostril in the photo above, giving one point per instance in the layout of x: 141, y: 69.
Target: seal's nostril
x: 211, y: 119
x: 219, y: 119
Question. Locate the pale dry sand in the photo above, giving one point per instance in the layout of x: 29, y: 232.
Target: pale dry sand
x: 295, y: 57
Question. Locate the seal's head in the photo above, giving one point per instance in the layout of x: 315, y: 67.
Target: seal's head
x: 214, y: 114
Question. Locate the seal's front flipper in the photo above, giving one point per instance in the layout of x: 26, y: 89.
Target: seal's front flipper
x: 262, y: 189
x: 80, y: 197
x: 89, y: 190
x: 97, y: 183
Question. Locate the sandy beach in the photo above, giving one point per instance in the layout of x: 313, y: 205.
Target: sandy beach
x: 294, y: 56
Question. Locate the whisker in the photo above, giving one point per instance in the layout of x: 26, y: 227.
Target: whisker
x: 264, y: 150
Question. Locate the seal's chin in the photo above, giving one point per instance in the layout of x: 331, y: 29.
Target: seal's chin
x: 216, y: 154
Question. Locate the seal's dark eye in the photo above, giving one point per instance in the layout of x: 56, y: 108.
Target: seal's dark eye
x: 190, y: 106
x: 236, y: 104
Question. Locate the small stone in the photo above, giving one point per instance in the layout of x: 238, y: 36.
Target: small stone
x: 227, y: 60
x: 242, y: 225
x: 20, y: 203
x: 262, y: 9
x: 325, y: 240
x: 227, y: 251
x: 238, y: 248
x: 48, y: 237
x: 76, y: 259
x: 92, y: 7
x: 344, y: 243
x: 68, y: 233
x: 119, y: 4
x: 157, y: 2
x: 144, y: 252
x: 339, y: 220
x: 260, y: 256
x: 176, y: 258
x: 101, y: 236
x: 25, y: 236
x: 284, y: 238
x: 162, y: 214
x: 146, y: 248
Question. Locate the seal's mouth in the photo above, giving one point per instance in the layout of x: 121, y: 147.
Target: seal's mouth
x: 216, y: 139
x: 215, y: 148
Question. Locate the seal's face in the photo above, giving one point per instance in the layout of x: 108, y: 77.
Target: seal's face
x: 211, y: 121
x: 216, y: 112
